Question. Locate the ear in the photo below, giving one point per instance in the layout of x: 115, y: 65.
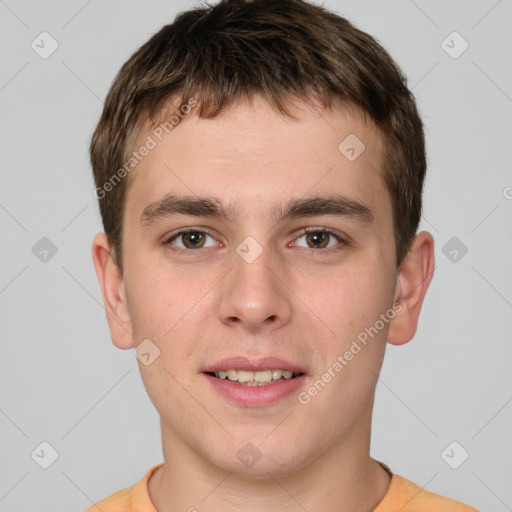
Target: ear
x: 412, y: 283
x: 112, y: 288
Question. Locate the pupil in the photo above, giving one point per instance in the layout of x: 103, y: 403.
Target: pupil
x: 193, y: 237
x: 317, y: 238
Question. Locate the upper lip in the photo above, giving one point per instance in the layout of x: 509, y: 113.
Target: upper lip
x: 253, y: 365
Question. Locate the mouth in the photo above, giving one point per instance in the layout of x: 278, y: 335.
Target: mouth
x: 254, y: 383
x: 256, y: 378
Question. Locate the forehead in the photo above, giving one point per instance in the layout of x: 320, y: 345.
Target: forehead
x: 256, y: 158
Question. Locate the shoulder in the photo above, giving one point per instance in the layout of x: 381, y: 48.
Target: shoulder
x: 407, y: 496
x: 131, y: 499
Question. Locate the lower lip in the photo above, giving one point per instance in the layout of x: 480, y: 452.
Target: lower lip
x: 255, y: 396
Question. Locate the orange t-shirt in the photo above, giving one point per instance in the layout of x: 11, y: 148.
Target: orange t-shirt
x: 402, y: 496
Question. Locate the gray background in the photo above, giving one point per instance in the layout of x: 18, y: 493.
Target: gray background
x: 62, y: 380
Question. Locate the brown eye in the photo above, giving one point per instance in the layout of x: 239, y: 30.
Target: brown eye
x: 320, y: 239
x: 193, y: 239
x: 317, y: 238
x: 190, y: 239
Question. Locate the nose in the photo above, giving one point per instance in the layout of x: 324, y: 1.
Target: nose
x: 255, y: 295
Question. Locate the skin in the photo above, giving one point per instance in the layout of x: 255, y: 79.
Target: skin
x: 296, y: 301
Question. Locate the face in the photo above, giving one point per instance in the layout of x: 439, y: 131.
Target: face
x: 299, y: 266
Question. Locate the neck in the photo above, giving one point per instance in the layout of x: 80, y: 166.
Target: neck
x: 343, y: 479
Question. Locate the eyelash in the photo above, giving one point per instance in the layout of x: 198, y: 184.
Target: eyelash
x: 343, y: 242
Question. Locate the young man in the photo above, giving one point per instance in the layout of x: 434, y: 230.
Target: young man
x: 259, y: 167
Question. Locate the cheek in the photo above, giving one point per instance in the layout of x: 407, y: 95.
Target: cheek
x: 350, y: 299
x: 167, y: 308
x: 147, y: 302
x: 161, y: 308
x: 351, y: 304
x: 159, y: 299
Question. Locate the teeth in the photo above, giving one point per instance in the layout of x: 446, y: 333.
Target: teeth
x: 277, y: 374
x: 259, y: 378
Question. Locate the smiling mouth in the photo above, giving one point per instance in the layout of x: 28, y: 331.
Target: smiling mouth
x: 257, y: 378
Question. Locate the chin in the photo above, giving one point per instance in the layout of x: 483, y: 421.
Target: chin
x: 262, y: 459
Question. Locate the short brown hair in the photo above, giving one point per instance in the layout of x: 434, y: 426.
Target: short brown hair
x: 278, y: 48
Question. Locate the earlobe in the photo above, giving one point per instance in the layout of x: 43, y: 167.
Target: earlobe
x: 412, y: 283
x: 112, y: 288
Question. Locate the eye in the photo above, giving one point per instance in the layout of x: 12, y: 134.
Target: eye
x: 319, y: 238
x: 190, y: 238
x: 194, y: 238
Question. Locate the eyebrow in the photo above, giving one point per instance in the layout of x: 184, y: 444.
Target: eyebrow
x: 334, y: 204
